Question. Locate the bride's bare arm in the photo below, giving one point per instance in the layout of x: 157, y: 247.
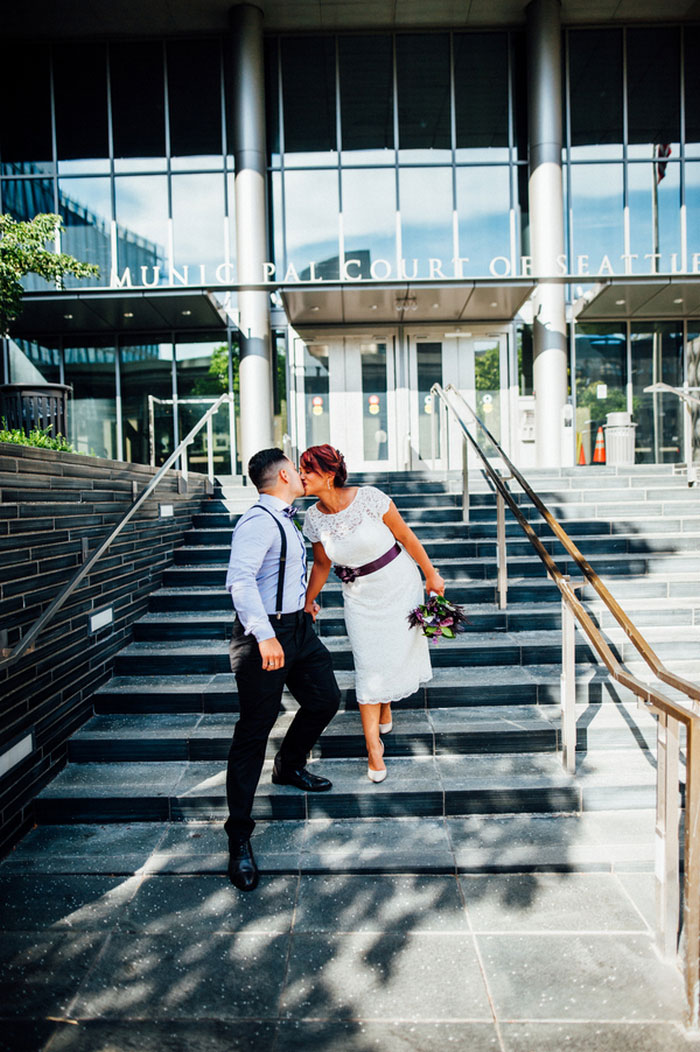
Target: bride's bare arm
x: 319, y: 576
x: 405, y: 536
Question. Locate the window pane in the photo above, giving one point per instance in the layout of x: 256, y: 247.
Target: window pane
x: 369, y: 217
x: 315, y: 380
x: 92, y: 413
x: 664, y: 235
x: 25, y: 121
x: 601, y: 357
x: 483, y: 206
x: 481, y: 95
x: 653, y: 90
x: 429, y: 370
x: 374, y: 401
x: 308, y: 79
x: 487, y: 385
x: 693, y: 359
x: 202, y: 375
x: 23, y: 199
x: 657, y: 357
x: 425, y: 200
x: 146, y: 369
x: 595, y: 63
x: 423, y: 77
x: 31, y: 363
x: 366, y: 98
x: 596, y: 193
x: 198, y: 223
x: 82, y: 143
x: 312, y: 222
x: 138, y: 111
x: 272, y: 107
x: 142, y: 226
x: 194, y: 96
x: 692, y: 198
x: 86, y: 209
x: 692, y: 91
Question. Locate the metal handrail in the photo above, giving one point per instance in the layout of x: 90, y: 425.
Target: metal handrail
x: 635, y: 636
x: 26, y: 643
x: 689, y: 401
x: 670, y: 715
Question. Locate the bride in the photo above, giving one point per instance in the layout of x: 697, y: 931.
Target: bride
x: 375, y: 554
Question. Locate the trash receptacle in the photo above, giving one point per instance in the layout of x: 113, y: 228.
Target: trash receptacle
x: 619, y: 439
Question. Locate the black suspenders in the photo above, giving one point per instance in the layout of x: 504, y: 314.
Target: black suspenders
x: 283, y: 562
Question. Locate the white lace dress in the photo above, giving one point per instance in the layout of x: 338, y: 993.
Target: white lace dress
x: 391, y: 659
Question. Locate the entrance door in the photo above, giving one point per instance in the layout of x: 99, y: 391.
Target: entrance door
x: 344, y: 394
x: 476, y: 364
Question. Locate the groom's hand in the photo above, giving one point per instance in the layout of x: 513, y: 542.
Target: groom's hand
x: 271, y: 653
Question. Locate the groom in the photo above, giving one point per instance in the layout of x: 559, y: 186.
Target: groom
x: 274, y: 644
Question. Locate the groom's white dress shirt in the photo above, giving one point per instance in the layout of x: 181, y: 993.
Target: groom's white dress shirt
x: 254, y: 565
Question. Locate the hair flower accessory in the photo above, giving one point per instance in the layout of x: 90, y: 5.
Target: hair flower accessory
x: 439, y: 618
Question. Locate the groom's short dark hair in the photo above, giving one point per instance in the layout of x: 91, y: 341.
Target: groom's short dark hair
x: 264, y: 465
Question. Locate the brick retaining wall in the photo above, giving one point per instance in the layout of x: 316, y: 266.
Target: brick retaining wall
x: 49, y: 502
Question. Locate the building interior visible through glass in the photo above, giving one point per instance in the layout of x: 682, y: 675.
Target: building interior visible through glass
x: 397, y: 175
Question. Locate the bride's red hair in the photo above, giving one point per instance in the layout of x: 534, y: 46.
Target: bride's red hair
x: 325, y: 460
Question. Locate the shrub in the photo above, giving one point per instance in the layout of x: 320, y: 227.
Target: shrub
x: 39, y: 436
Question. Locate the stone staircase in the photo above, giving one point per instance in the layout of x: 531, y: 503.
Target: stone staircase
x: 479, y: 743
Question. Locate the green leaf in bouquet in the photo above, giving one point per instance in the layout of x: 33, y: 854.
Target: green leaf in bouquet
x: 447, y: 632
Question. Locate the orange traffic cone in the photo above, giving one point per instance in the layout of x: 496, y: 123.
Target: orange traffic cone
x: 581, y: 452
x: 599, y: 451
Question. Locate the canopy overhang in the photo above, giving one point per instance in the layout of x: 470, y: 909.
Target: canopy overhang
x: 400, y: 303
x: 102, y: 312
x: 672, y: 297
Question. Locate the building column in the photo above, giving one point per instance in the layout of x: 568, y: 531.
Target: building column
x: 248, y: 124
x: 546, y: 225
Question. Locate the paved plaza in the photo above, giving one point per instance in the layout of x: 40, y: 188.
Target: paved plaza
x: 120, y: 938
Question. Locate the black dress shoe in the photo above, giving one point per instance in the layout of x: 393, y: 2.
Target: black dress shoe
x: 301, y: 778
x: 242, y: 871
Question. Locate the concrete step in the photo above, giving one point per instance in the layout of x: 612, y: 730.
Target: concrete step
x: 435, y: 786
x: 496, y: 729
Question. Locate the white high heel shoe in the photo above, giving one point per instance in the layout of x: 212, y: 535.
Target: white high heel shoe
x: 384, y: 728
x: 376, y: 776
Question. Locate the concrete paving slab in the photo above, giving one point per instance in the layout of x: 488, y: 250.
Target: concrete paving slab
x: 349, y: 903
x: 167, y: 904
x: 596, y: 1037
x: 539, y: 902
x: 54, y: 903
x: 20, y: 1035
x: 204, y: 976
x: 358, y: 1035
x: 214, y: 1035
x: 614, y: 978
x: 47, y: 968
x: 385, y: 976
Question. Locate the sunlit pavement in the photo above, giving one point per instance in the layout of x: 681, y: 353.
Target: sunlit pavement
x: 119, y: 938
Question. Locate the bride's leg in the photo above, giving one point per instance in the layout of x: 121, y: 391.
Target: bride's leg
x: 370, y: 725
x: 385, y: 713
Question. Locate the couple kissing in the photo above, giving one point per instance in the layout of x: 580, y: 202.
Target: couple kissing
x: 376, y: 555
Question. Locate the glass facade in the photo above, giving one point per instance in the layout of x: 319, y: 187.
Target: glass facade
x: 392, y: 156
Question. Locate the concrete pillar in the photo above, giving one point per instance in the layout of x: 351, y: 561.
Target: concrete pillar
x: 248, y: 124
x: 546, y: 224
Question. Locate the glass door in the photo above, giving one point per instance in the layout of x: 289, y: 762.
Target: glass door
x: 343, y: 393
x: 425, y: 368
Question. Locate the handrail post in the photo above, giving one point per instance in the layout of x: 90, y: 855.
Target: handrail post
x: 568, y: 686
x: 688, y: 436
x: 435, y: 407
x: 151, y: 431
x: 691, y: 875
x: 666, y: 835
x: 465, y: 480
x: 501, y: 556
x: 210, y: 449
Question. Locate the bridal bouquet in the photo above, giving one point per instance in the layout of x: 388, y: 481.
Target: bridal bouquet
x: 438, y: 617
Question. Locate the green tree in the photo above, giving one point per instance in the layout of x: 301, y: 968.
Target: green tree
x: 23, y: 251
